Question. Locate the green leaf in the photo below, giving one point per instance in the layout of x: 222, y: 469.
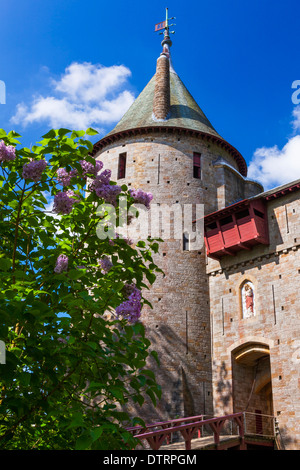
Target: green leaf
x: 149, y: 373
x: 50, y: 135
x: 96, y: 433
x: 75, y: 274
x: 116, y: 392
x: 5, y: 264
x: 13, y: 134
x: 139, y: 399
x: 77, y: 421
x: 151, y: 277
x: 84, y: 441
x: 62, y: 132
x: 92, y: 345
x: 138, y: 422
x: 91, y: 131
x: 155, y: 355
x: 77, y: 134
x: 151, y: 395
x: 138, y: 328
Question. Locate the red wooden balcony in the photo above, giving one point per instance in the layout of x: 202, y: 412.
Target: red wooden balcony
x: 237, y: 227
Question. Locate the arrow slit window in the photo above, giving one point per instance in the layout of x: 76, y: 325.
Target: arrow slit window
x: 122, y: 166
x: 197, y: 165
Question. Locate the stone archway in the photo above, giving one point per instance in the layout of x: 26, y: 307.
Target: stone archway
x: 251, y: 382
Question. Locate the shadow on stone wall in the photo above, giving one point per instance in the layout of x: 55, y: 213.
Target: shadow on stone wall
x: 184, y: 380
x: 223, y: 387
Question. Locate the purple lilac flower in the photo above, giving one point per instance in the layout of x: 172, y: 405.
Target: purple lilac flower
x: 89, y: 168
x: 61, y: 264
x: 129, y: 289
x: 7, y: 152
x: 103, y: 189
x: 105, y: 264
x: 100, y: 180
x: 64, y: 177
x: 141, y: 197
x: 62, y: 340
x: 34, y: 169
x: 109, y: 193
x: 63, y: 202
x: 131, y: 308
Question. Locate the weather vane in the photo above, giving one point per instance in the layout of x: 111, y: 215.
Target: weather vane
x: 165, y: 25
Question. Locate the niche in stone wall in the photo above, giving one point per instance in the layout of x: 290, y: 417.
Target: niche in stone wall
x: 248, y: 300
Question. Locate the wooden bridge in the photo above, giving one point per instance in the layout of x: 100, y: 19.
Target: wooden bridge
x: 238, y: 431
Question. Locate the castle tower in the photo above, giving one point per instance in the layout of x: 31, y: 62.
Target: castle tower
x: 165, y: 145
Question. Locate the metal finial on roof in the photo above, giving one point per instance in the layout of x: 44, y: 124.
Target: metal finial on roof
x: 164, y: 25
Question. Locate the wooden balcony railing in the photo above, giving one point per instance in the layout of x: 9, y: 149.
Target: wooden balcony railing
x: 238, y: 430
x: 188, y: 428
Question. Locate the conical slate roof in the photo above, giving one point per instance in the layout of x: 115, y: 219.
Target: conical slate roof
x: 184, y: 111
x: 184, y: 116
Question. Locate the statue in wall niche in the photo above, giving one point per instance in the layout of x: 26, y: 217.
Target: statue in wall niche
x: 248, y: 300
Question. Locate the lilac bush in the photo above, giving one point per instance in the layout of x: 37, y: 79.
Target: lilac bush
x: 7, y: 152
x: 131, y: 308
x: 64, y: 177
x: 89, y: 168
x: 61, y: 264
x: 63, y: 202
x: 55, y: 296
x: 34, y: 170
x: 141, y: 197
x: 105, y: 264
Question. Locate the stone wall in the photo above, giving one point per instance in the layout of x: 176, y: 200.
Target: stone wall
x: 232, y: 186
x: 274, y: 271
x: 179, y: 323
x: 196, y: 324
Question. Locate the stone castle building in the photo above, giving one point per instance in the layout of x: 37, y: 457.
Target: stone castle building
x: 225, y: 317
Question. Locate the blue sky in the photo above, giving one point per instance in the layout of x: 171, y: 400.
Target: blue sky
x: 82, y: 63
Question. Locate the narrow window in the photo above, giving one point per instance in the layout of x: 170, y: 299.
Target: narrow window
x: 186, y: 242
x: 197, y: 165
x: 122, y: 166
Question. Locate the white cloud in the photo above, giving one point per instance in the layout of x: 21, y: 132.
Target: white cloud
x: 86, y: 95
x: 90, y: 83
x: 273, y: 166
x: 296, y: 121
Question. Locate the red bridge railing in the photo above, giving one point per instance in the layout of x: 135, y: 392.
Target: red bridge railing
x: 188, y: 428
x: 171, y: 424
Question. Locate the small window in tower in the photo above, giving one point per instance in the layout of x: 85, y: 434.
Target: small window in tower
x: 186, y: 241
x: 122, y: 166
x: 197, y: 165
